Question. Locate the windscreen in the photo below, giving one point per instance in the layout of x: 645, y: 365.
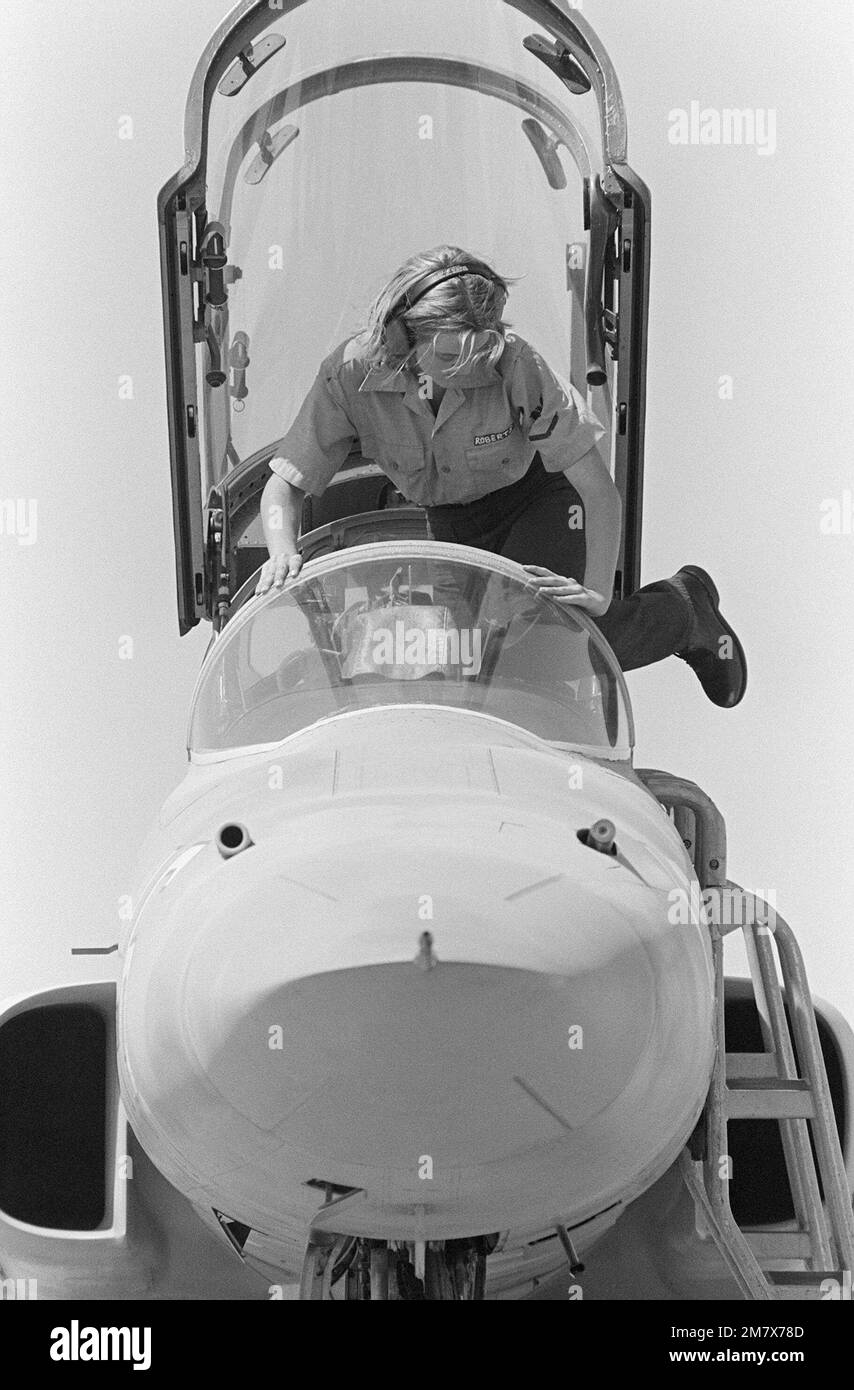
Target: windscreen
x: 408, y: 630
x: 381, y: 128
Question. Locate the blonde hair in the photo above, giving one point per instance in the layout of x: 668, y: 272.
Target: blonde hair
x: 469, y: 304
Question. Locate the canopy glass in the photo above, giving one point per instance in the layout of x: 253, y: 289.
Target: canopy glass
x: 391, y: 625
x: 356, y: 144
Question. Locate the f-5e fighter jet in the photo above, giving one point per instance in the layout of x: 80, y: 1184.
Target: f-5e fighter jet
x: 424, y: 994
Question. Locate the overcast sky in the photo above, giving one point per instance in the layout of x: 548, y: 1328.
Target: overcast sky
x: 751, y: 252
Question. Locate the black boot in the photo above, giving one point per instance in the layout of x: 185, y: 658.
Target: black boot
x: 713, y: 651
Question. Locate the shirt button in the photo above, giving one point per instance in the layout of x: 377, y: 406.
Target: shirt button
x: 395, y: 465
x: 445, y: 468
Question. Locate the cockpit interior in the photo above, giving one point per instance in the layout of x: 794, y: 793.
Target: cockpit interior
x: 396, y: 623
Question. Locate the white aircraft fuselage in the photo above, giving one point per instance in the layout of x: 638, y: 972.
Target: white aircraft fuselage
x: 285, y: 1024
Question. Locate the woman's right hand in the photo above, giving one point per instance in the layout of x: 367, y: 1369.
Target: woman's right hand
x: 277, y: 570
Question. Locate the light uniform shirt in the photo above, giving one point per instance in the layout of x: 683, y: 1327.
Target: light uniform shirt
x: 489, y: 425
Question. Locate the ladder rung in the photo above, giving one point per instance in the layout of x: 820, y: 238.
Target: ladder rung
x: 740, y: 1065
x: 769, y: 1098
x: 806, y: 1277
x: 802, y: 1285
x: 779, y: 1245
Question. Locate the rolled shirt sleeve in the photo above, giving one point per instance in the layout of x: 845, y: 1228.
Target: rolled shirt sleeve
x: 319, y: 440
x: 555, y: 416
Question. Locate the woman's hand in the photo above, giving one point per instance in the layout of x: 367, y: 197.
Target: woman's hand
x: 277, y: 570
x: 567, y: 591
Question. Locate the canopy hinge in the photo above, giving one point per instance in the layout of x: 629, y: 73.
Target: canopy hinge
x: 217, y: 576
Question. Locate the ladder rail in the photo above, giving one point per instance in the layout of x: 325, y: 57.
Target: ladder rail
x: 828, y: 1225
x: 731, y: 1244
x: 714, y: 1183
x: 679, y: 795
x: 809, y: 1210
x: 825, y: 1228
x: 837, y: 1196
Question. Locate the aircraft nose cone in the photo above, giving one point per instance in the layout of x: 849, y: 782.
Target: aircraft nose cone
x: 293, y: 1030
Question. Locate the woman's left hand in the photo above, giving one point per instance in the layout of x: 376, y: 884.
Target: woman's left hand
x: 567, y: 591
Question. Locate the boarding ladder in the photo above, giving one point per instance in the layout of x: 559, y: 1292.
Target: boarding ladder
x: 813, y: 1257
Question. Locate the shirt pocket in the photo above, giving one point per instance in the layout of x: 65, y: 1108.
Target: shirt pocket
x: 506, y: 459
x: 399, y: 460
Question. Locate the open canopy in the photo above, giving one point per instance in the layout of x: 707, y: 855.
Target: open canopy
x: 417, y: 623
x: 327, y: 141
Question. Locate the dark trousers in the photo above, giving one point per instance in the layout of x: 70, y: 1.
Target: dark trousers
x: 529, y: 522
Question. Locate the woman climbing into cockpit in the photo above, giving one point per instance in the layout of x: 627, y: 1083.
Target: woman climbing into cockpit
x: 470, y: 422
